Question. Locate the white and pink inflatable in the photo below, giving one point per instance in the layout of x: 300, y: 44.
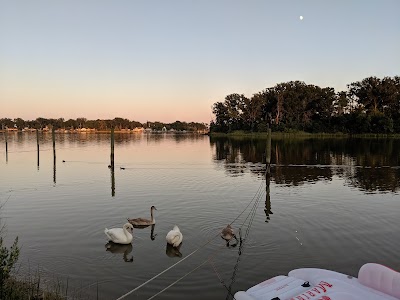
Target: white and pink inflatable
x: 374, y: 282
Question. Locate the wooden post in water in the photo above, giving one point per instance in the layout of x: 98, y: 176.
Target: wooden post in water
x: 267, y: 209
x: 54, y: 153
x: 37, y: 146
x: 112, y: 163
x: 112, y: 181
x: 268, y: 154
x: 6, y: 139
x: 112, y: 147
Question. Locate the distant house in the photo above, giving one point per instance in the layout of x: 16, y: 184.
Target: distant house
x: 138, y: 129
x: 164, y: 129
x: 148, y: 130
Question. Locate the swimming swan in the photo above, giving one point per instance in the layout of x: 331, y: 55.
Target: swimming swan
x: 120, y: 235
x: 144, y: 222
x: 227, y: 234
x: 174, y: 237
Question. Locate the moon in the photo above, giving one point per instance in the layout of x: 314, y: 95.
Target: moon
x: 301, y: 18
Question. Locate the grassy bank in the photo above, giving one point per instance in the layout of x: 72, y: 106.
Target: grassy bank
x: 37, y: 287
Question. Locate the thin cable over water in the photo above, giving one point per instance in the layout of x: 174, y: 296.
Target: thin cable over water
x: 200, y: 247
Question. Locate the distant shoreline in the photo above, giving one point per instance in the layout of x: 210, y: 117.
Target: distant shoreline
x: 107, y: 131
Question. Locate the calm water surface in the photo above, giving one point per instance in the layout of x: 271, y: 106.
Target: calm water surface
x: 331, y: 203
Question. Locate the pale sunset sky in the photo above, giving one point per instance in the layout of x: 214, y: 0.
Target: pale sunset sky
x: 168, y: 60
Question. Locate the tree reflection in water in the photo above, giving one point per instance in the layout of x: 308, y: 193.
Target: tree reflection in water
x: 371, y: 165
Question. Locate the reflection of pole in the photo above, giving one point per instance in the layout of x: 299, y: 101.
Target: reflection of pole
x: 112, y: 181
x: 112, y: 164
x: 267, y: 209
x: 37, y: 144
x: 152, y: 236
x: 54, y: 153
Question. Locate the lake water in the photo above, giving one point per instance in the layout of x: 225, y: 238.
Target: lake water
x: 331, y: 203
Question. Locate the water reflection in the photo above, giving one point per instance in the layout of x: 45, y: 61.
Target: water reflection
x: 267, y: 208
x: 119, y: 248
x: 112, y: 173
x: 152, y: 235
x: 172, y: 251
x: 235, y: 269
x: 368, y: 164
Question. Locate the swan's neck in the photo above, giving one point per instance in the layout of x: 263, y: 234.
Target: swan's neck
x: 127, y: 233
x: 152, y: 216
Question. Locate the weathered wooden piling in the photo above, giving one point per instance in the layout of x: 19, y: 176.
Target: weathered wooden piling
x: 112, y: 147
x: 38, y: 147
x: 267, y: 209
x: 6, y: 139
x: 53, y: 136
x: 4, y: 129
x: 54, y: 153
x: 112, y: 164
x: 268, y: 155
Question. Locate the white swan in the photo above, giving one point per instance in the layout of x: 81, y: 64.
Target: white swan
x: 174, y: 237
x: 142, y: 221
x: 120, y: 235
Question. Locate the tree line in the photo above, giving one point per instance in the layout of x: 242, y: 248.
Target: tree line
x: 101, y: 125
x: 371, y: 105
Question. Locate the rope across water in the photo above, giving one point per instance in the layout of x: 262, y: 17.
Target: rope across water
x: 252, y: 212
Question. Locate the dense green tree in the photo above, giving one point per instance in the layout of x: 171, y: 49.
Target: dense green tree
x: 370, y: 105
x: 19, y: 123
x: 341, y: 103
x: 252, y: 111
x: 221, y: 118
x: 374, y: 94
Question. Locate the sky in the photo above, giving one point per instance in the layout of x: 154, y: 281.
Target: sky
x: 169, y: 60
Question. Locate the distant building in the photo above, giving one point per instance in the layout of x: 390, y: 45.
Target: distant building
x: 138, y: 129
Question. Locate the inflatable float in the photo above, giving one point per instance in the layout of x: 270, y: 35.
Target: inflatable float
x: 374, y: 282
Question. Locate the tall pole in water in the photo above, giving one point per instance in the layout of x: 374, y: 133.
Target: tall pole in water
x: 54, y: 153
x: 6, y: 139
x: 112, y: 147
x: 37, y: 146
x: 267, y: 209
x: 112, y: 163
